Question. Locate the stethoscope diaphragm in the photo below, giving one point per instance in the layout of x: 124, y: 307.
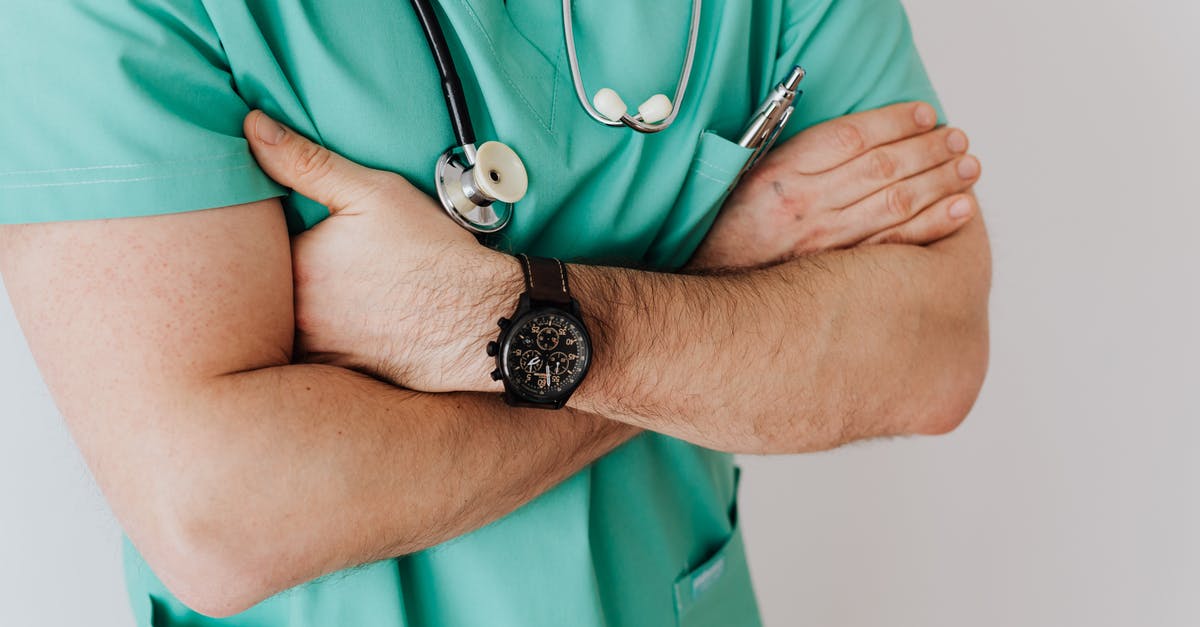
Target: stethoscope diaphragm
x: 477, y: 187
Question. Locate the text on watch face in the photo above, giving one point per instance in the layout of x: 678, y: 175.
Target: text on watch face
x: 547, y: 355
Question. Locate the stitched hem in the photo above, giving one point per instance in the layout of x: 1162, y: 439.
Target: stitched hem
x: 145, y: 190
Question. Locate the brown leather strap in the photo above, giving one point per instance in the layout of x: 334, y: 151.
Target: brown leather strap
x: 546, y: 280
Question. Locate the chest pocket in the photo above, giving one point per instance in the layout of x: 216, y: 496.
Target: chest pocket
x: 714, y: 169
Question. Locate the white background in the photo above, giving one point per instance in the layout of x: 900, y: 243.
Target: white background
x: 1070, y: 497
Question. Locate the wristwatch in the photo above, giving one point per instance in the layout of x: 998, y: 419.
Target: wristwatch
x: 543, y: 351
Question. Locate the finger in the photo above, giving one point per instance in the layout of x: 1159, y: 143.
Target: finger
x: 828, y: 145
x: 894, y: 162
x: 934, y: 223
x: 906, y: 199
x: 309, y: 168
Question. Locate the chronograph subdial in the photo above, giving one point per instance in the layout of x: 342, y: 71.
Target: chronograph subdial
x: 547, y: 338
x: 560, y: 362
x: 533, y: 362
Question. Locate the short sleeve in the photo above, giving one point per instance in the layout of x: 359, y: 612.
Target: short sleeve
x: 859, y: 55
x: 118, y: 108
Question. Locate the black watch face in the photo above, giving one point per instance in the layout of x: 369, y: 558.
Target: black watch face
x: 546, y: 354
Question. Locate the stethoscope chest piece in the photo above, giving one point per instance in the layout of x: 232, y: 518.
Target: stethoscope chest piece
x: 477, y: 187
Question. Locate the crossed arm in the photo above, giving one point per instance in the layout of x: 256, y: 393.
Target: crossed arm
x: 167, y: 343
x: 803, y: 356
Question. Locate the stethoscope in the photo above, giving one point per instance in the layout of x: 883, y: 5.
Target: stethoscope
x: 479, y: 186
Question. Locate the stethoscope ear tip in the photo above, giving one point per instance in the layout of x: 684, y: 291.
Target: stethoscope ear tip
x: 655, y: 109
x: 610, y: 105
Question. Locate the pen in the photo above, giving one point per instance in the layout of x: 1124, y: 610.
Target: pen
x: 766, y: 123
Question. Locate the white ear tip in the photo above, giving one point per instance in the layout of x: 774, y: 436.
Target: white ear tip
x: 500, y: 173
x: 656, y: 109
x: 609, y: 104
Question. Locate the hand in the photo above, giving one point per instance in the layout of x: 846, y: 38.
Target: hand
x: 882, y: 176
x: 387, y: 284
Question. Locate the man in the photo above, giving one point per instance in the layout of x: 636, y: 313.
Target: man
x: 261, y: 412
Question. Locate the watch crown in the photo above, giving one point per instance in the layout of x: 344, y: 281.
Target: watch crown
x: 492, y: 349
x: 497, y: 375
x: 503, y: 323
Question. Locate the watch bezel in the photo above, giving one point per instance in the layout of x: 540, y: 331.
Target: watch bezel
x: 556, y: 399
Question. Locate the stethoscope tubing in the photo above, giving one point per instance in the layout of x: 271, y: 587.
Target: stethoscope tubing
x: 626, y: 120
x: 452, y: 89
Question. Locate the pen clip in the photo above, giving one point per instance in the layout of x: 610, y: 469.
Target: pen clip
x: 770, y: 141
x: 767, y: 143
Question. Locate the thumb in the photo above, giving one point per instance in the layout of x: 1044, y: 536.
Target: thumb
x: 309, y: 168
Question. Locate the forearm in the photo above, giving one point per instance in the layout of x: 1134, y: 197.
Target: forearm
x: 802, y: 356
x: 291, y: 472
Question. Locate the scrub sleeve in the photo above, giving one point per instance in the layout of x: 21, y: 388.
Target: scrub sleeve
x: 118, y: 109
x: 859, y: 55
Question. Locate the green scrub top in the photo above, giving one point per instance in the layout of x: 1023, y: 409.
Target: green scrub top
x: 132, y: 108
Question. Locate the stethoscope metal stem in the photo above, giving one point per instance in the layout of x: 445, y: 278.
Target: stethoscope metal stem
x: 626, y: 120
x: 468, y: 153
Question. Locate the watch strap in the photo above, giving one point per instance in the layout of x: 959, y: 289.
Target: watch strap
x: 546, y: 280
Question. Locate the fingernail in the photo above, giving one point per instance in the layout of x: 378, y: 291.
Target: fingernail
x: 968, y: 168
x: 924, y: 115
x: 268, y: 130
x: 957, y: 141
x: 960, y: 209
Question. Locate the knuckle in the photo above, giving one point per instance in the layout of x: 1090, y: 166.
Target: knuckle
x: 849, y: 137
x: 899, y: 202
x: 312, y: 161
x: 882, y: 165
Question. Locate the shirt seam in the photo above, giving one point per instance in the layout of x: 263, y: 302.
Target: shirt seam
x: 130, y: 180
x: 719, y: 168
x: 122, y: 166
x: 487, y: 37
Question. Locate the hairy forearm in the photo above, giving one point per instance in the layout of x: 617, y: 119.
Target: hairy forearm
x: 802, y: 356
x: 295, y: 471
x: 167, y: 341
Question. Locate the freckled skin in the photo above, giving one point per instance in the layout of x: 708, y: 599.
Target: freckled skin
x: 778, y: 187
x: 817, y: 192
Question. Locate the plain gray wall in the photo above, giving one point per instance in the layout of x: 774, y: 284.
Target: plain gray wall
x: 1070, y: 495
